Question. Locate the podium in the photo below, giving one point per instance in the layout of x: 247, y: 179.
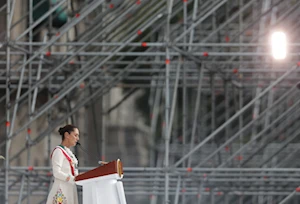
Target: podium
x: 103, y: 184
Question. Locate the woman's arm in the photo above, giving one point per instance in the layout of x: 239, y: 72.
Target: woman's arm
x: 76, y: 172
x: 57, y: 162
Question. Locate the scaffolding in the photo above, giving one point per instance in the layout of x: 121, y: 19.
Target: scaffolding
x: 224, y: 116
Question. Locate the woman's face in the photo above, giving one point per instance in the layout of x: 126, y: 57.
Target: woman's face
x: 73, y: 137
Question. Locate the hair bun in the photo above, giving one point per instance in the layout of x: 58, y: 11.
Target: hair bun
x: 61, y: 130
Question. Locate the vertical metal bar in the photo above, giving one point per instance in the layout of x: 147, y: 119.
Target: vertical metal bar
x: 184, y: 124
x: 195, y: 9
x: 35, y: 92
x: 226, y: 198
x: 167, y: 139
x: 167, y: 99
x: 214, y: 21
x: 213, y: 110
x: 226, y: 108
x: 30, y: 51
x: 104, y: 102
x: 185, y: 22
x: 7, y: 102
x: 169, y: 131
x: 50, y: 18
x: 16, y: 108
x: 273, y: 76
x: 28, y: 139
x: 17, y: 98
x: 212, y: 196
x: 265, y: 6
x: 196, y: 112
x: 227, y: 113
x: 68, y: 34
x: 8, y: 141
x: 256, y: 110
x: 184, y: 98
x: 21, y: 190
x: 103, y: 131
x: 241, y: 99
x: 167, y: 107
x: 206, y: 114
x: 213, y: 99
x: 269, y: 104
x: 12, y: 12
x: 49, y: 116
x: 177, y: 190
x: 201, y: 198
x: 241, y: 199
x: 95, y: 119
x: 154, y: 118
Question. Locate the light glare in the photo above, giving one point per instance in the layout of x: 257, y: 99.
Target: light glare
x: 279, y: 45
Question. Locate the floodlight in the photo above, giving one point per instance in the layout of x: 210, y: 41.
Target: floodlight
x: 279, y: 45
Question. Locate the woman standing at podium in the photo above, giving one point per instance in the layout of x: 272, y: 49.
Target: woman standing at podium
x: 64, y: 164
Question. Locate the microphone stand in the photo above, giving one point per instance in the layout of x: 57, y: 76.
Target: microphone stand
x: 85, y: 151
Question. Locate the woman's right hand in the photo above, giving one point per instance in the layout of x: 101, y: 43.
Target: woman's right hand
x: 68, y: 178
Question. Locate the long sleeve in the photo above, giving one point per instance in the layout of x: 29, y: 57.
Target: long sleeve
x: 57, y: 163
x: 76, y: 172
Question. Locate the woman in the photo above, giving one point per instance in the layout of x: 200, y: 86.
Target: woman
x: 64, y: 165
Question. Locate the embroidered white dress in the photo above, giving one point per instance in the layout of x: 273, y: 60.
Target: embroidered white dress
x: 62, y: 191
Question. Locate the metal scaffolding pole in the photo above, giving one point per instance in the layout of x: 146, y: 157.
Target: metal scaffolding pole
x: 7, y: 147
x: 196, y: 113
x: 287, y: 198
x: 167, y: 101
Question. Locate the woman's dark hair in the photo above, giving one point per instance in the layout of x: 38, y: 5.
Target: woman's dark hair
x: 67, y: 128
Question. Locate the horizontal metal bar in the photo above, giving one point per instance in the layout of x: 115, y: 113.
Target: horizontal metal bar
x: 153, y: 44
x: 150, y: 54
x: 146, y: 169
x: 194, y: 193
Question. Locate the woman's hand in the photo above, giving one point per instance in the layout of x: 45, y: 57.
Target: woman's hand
x: 68, y: 178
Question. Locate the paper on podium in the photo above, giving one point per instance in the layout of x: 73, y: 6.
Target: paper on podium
x: 103, y: 184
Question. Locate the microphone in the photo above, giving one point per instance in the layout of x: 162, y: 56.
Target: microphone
x: 85, y: 151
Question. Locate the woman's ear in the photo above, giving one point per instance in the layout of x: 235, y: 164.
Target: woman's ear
x: 67, y: 135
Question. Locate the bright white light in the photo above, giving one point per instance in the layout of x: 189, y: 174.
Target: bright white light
x: 279, y: 45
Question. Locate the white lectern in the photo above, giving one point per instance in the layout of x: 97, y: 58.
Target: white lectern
x: 103, y: 184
